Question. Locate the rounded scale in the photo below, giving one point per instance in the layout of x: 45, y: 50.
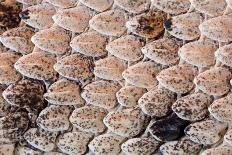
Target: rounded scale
x: 127, y: 48
x: 214, y: 81
x: 98, y: 5
x: 63, y: 3
x: 74, y: 19
x: 53, y: 40
x: 184, y: 146
x: 111, y: 23
x: 168, y: 128
x: 36, y: 65
x: 178, y: 79
x: 157, y: 102
x: 162, y: 51
x: 125, y: 122
x: 23, y: 150
x: 54, y: 118
x: 74, y: 67
x: 193, y: 107
x: 147, y: 25
x: 174, y: 7
x: 142, y: 74
x: 106, y: 144
x: 222, y: 150
x: 140, y: 146
x: 206, y: 132
x: 210, y: 7
x: 29, y: 2
x: 198, y: 53
x: 89, y: 43
x: 18, y: 39
x: 38, y: 16
x: 128, y: 96
x: 137, y: 6
x: 64, y: 92
x: 184, y: 26
x: 73, y: 142
x: 8, y: 74
x: 109, y: 68
x: 221, y: 109
x: 218, y: 28
x: 228, y: 137
x: 41, y: 139
x: 5, y: 108
x: 7, y: 149
x: 13, y: 126
x: 88, y: 119
x: 25, y: 93
x: 224, y: 55
x: 101, y: 93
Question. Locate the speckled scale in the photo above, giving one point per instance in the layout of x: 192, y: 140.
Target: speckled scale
x: 64, y: 92
x: 101, y: 93
x: 53, y: 40
x: 168, y: 128
x: 157, y: 102
x: 36, y: 65
x: 29, y: 2
x: 74, y: 67
x: 54, y: 118
x: 13, y: 126
x: 184, y: 146
x: 88, y: 119
x: 98, y: 5
x: 128, y: 96
x: 184, y: 26
x: 137, y: 6
x: 228, y: 137
x: 210, y: 7
x: 214, y: 81
x: 73, y: 19
x: 177, y: 78
x: 193, y: 107
x: 22, y: 150
x: 7, y: 149
x: 5, y: 108
x: 25, y: 94
x: 106, y: 144
x: 53, y: 153
x: 18, y: 39
x: 41, y: 139
x: 140, y: 146
x: 147, y: 25
x: 198, y: 53
x: 89, y: 43
x: 125, y: 122
x: 109, y: 68
x: 73, y: 143
x: 174, y: 7
x: 224, y: 55
x: 206, y: 132
x: 38, y: 16
x: 162, y: 51
x: 142, y: 74
x: 218, y: 28
x: 8, y: 74
x: 222, y: 150
x: 221, y: 109
x: 126, y: 48
x: 110, y: 23
x: 63, y: 3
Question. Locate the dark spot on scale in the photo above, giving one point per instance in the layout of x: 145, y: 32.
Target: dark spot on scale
x: 24, y: 14
x: 168, y: 24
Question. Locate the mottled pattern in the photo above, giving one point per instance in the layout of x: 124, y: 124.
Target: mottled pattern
x: 98, y: 5
x: 7, y: 149
x: 22, y: 150
x: 41, y: 139
x: 224, y: 55
x: 222, y: 150
x: 109, y: 68
x: 88, y: 119
x: 73, y: 143
x: 63, y: 3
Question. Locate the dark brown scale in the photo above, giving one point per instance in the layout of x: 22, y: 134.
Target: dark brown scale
x: 24, y: 14
x: 169, y: 128
x: 168, y: 24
